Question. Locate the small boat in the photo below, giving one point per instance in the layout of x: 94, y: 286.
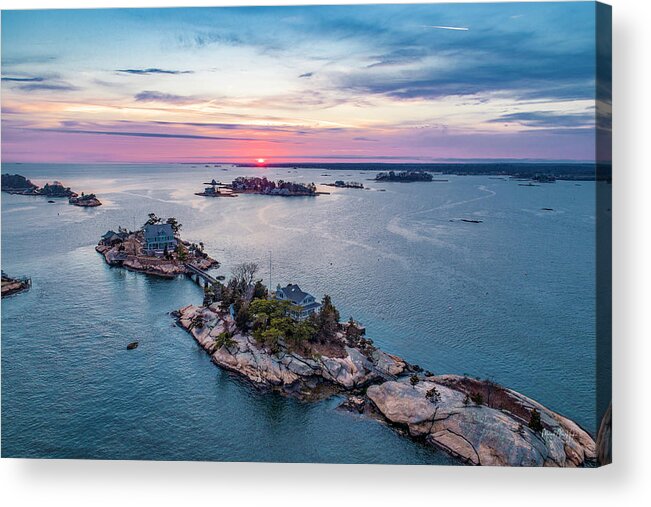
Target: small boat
x: 470, y: 221
x: 132, y: 345
x: 51, y: 202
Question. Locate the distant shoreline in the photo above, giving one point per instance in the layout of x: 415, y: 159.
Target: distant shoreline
x: 570, y: 171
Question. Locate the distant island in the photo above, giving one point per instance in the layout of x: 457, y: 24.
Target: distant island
x: 345, y: 184
x: 572, y: 171
x: 404, y: 176
x: 254, y: 185
x: 85, y: 201
x: 212, y: 190
x: 19, y: 185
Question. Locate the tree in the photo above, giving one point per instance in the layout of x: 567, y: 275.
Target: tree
x: 181, y: 252
x: 153, y: 219
x: 176, y: 226
x: 244, y: 273
x: 272, y: 324
x: 259, y: 290
x: 242, y: 316
x: 327, y: 320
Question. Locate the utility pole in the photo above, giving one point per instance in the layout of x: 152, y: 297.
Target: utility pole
x: 269, y: 271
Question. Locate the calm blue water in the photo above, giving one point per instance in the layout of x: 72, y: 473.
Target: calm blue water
x: 510, y: 299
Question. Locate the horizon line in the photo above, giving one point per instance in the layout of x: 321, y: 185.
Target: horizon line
x: 379, y: 161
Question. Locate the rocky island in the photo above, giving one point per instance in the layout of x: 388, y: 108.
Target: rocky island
x: 212, y: 190
x: 254, y: 185
x: 345, y: 184
x: 404, y: 176
x: 14, y: 285
x: 261, y: 338
x: 17, y: 184
x: 85, y: 201
x: 155, y: 249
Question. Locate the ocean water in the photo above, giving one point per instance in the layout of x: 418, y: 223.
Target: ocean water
x: 510, y: 299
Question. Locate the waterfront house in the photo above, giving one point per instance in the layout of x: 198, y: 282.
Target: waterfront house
x: 305, y: 302
x: 112, y: 238
x: 158, y: 238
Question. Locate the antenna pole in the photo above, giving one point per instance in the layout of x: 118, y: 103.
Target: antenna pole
x: 270, y: 271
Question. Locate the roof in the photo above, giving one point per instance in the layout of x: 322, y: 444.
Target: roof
x: 152, y: 231
x: 294, y: 292
x: 108, y: 234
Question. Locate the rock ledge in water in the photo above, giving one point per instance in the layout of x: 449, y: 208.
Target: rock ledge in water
x: 435, y: 409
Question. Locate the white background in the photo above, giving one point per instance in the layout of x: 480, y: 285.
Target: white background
x: 59, y: 482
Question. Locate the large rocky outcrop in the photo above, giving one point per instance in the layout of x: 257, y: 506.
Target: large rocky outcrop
x: 439, y: 410
x: 481, y: 434
x: 285, y: 370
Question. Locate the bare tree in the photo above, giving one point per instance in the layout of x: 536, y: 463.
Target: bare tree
x: 245, y: 273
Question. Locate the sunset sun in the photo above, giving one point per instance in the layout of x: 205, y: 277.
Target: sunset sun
x: 261, y: 161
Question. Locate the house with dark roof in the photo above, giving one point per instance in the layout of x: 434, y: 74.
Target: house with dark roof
x: 304, y: 301
x: 158, y: 238
x: 112, y: 238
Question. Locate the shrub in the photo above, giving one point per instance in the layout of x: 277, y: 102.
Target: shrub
x: 224, y: 339
x: 414, y: 379
x: 433, y: 395
x: 534, y: 422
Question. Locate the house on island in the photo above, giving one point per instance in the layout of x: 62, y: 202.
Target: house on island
x: 112, y: 238
x: 158, y: 238
x: 305, y: 302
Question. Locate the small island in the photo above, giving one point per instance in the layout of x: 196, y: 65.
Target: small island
x: 288, y: 342
x: 155, y: 249
x: 255, y: 185
x: 212, y: 190
x: 345, y: 184
x: 14, y: 285
x: 404, y: 176
x: 85, y: 201
x: 17, y: 184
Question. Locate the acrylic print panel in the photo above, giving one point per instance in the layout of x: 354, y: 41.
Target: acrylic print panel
x: 343, y: 234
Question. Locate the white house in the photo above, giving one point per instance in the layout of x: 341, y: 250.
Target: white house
x: 306, y: 302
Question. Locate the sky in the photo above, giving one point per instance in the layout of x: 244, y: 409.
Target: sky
x: 374, y: 83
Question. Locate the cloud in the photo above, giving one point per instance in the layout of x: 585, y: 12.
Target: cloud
x: 24, y: 79
x: 547, y: 119
x: 399, y: 56
x: 307, y: 74
x: 460, y: 28
x: 26, y: 59
x: 146, y: 72
x: 39, y: 83
x: 154, y: 96
x: 151, y: 134
x: 62, y: 87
